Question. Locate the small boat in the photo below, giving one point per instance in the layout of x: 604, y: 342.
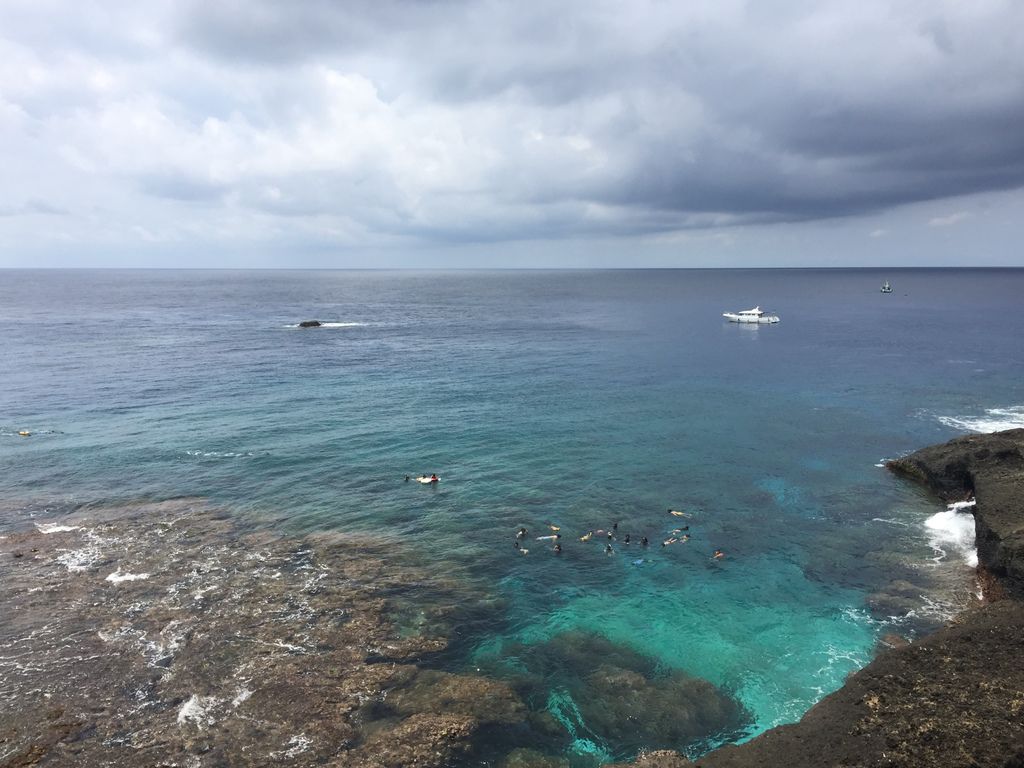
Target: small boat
x: 755, y: 315
x: 886, y: 288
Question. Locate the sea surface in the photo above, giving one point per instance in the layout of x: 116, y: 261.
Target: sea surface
x: 576, y: 399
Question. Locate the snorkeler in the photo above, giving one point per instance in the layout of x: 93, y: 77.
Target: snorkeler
x: 521, y: 533
x: 677, y: 513
x: 554, y: 527
x: 586, y: 536
x: 552, y: 537
x: 558, y: 549
x: 670, y: 540
x: 718, y: 555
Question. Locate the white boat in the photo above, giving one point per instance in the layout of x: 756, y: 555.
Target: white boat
x: 886, y: 288
x: 755, y: 315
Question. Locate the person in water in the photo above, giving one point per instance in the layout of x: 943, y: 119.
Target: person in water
x: 434, y: 478
x: 407, y: 478
x: 719, y: 554
x: 626, y: 540
x: 521, y: 533
x: 558, y: 548
x: 608, y: 549
x: 644, y: 542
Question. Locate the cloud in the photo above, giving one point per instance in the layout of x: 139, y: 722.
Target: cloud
x: 33, y: 208
x: 950, y: 220
x: 453, y: 122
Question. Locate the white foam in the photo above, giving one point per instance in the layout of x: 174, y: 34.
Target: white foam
x: 117, y: 577
x: 55, y: 528
x: 82, y: 559
x: 243, y: 695
x: 994, y: 420
x: 221, y: 454
x: 197, y: 710
x: 956, y: 506
x: 953, y: 530
x: 296, y: 746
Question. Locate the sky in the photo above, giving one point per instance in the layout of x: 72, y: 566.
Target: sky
x: 441, y: 133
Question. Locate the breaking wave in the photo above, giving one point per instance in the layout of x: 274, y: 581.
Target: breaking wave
x: 994, y: 420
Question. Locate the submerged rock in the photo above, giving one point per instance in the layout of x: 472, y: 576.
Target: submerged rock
x: 606, y: 692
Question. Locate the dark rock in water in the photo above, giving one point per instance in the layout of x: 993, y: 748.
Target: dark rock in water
x: 531, y: 758
x: 489, y: 701
x: 992, y: 468
x: 597, y: 689
x: 310, y: 324
x: 660, y: 759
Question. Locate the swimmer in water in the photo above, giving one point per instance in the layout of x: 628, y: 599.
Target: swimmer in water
x: 610, y: 537
x: 407, y: 478
x: 554, y: 527
x: 644, y: 542
x: 586, y: 536
x: 626, y: 540
x: 516, y: 545
x: 719, y: 554
x: 558, y: 549
x: 552, y: 537
x: 677, y: 513
x: 671, y: 540
x: 521, y: 533
x: 523, y: 551
x: 608, y: 549
x: 615, y: 526
x: 686, y: 537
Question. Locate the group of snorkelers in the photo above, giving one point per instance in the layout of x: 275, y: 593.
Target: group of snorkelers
x: 676, y: 535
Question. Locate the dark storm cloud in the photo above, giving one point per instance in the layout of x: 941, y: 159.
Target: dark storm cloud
x: 785, y: 127
x: 383, y: 121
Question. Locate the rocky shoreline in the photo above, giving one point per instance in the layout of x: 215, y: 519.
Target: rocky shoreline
x: 956, y: 697
x: 168, y: 634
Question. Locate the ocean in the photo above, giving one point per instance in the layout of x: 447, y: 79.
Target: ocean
x: 582, y: 400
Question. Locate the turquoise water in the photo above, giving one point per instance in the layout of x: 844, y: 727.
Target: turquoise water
x: 570, y: 398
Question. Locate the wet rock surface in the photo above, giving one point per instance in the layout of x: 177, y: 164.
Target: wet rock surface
x: 168, y: 635
x: 954, y: 698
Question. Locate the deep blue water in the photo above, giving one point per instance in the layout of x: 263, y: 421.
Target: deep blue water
x: 573, y: 398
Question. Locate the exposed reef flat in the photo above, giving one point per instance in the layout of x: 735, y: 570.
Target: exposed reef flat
x: 166, y: 635
x: 954, y: 698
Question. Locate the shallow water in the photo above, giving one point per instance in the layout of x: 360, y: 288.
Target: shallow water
x: 570, y: 398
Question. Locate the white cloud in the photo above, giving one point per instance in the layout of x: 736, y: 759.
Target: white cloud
x: 950, y: 220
